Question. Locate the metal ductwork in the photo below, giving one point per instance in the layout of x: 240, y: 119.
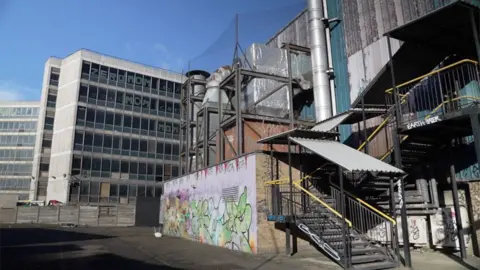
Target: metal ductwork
x: 198, y: 91
x: 319, y: 55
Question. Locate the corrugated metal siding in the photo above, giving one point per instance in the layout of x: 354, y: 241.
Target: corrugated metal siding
x: 339, y: 62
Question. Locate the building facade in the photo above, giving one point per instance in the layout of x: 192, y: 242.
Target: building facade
x: 111, y: 129
x: 18, y: 127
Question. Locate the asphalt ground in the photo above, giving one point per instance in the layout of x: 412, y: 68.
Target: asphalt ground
x: 54, y: 247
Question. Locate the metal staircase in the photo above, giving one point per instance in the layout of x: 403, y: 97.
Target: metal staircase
x: 317, y: 216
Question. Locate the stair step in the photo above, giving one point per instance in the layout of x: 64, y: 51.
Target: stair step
x: 368, y: 258
x: 363, y: 250
x: 375, y: 265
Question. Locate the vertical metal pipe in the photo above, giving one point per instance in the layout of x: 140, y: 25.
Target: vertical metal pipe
x: 344, y: 223
x: 290, y: 87
x: 365, y: 137
x: 272, y: 188
x: 456, y: 206
x: 318, y: 48
x: 238, y: 111
x: 475, y: 33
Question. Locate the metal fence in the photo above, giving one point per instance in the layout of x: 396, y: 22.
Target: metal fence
x: 104, y: 216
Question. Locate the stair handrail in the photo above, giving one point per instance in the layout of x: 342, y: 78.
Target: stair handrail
x: 364, y: 203
x: 324, y: 204
x: 419, y: 78
x: 428, y: 116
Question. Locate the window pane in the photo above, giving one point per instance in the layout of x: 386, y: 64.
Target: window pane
x: 111, y: 95
x: 98, y: 140
x: 83, y: 90
x: 92, y: 93
x: 90, y: 115
x: 127, y: 121
x: 100, y: 117
x: 86, y: 67
x: 136, y: 122
x: 102, y: 94
x: 121, y: 78
x: 118, y: 119
x: 107, y: 141
x: 109, y: 116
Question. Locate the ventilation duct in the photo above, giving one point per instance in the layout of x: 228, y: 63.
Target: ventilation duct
x: 318, y: 48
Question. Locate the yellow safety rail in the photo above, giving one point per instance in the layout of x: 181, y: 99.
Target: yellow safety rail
x: 297, y: 185
x: 432, y: 73
x: 429, y: 115
x: 385, y: 216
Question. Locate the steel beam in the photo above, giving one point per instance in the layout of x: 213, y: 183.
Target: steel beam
x: 456, y: 206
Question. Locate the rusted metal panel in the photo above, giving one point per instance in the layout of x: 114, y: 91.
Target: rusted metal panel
x: 253, y: 132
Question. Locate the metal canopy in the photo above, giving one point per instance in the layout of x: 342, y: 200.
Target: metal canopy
x: 448, y: 28
x: 351, y: 116
x: 347, y: 157
x: 282, y: 138
x: 410, y: 61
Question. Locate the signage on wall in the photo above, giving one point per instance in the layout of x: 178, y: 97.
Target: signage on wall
x: 315, y: 238
x: 424, y: 122
x: 130, y: 78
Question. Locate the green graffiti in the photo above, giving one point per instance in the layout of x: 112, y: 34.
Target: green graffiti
x: 225, y: 223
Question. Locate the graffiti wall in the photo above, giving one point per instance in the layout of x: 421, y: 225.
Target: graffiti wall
x: 215, y: 206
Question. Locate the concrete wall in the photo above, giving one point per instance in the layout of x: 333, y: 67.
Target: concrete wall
x: 216, y: 205
x: 51, y: 62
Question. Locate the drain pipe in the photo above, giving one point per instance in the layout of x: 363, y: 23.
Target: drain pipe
x: 330, y: 60
x: 318, y: 49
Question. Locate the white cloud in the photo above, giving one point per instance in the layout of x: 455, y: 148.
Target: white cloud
x: 11, y: 91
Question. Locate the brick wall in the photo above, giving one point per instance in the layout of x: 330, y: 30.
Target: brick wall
x: 271, y: 235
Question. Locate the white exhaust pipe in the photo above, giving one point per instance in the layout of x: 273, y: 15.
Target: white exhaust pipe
x: 318, y: 49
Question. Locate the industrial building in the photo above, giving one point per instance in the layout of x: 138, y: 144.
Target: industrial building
x: 109, y: 130
x: 18, y: 128
x: 390, y: 163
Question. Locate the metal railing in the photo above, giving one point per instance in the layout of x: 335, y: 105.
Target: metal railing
x: 374, y: 225
x: 316, y: 219
x: 441, y: 91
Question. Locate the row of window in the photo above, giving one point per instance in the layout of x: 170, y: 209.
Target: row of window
x: 16, y: 154
x: 54, y: 76
x: 17, y: 140
x: 16, y: 169
x: 130, y: 80
x: 122, y: 169
x: 18, y: 126
x: 100, y: 119
x: 87, y: 191
x: 128, y: 102
x: 14, y: 184
x: 109, y: 144
x: 20, y: 112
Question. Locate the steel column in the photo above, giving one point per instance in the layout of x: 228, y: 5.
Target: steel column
x: 290, y: 219
x: 475, y: 33
x: 394, y: 230
x: 344, y: 223
x: 398, y: 112
x: 239, y: 129
x: 476, y: 135
x: 456, y: 206
x: 365, y: 137
x: 290, y: 87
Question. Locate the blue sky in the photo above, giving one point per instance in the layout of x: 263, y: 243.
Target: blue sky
x: 162, y: 33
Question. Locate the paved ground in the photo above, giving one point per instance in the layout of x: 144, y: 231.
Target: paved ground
x: 41, y: 247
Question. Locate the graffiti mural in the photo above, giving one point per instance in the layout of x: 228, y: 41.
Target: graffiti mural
x: 444, y: 227
x: 214, y: 206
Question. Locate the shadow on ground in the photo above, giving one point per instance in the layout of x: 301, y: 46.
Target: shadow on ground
x: 57, y: 248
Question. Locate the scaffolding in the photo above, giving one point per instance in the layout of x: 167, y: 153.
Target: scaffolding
x: 203, y: 136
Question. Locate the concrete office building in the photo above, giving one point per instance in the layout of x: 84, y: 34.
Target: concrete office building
x: 111, y: 129
x: 18, y: 126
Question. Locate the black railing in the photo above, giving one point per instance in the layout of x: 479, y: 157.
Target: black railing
x: 374, y: 225
x: 441, y: 91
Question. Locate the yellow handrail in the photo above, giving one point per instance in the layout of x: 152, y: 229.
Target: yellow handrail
x: 368, y: 206
x: 380, y: 127
x: 297, y: 185
x: 428, y: 116
x: 432, y: 73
